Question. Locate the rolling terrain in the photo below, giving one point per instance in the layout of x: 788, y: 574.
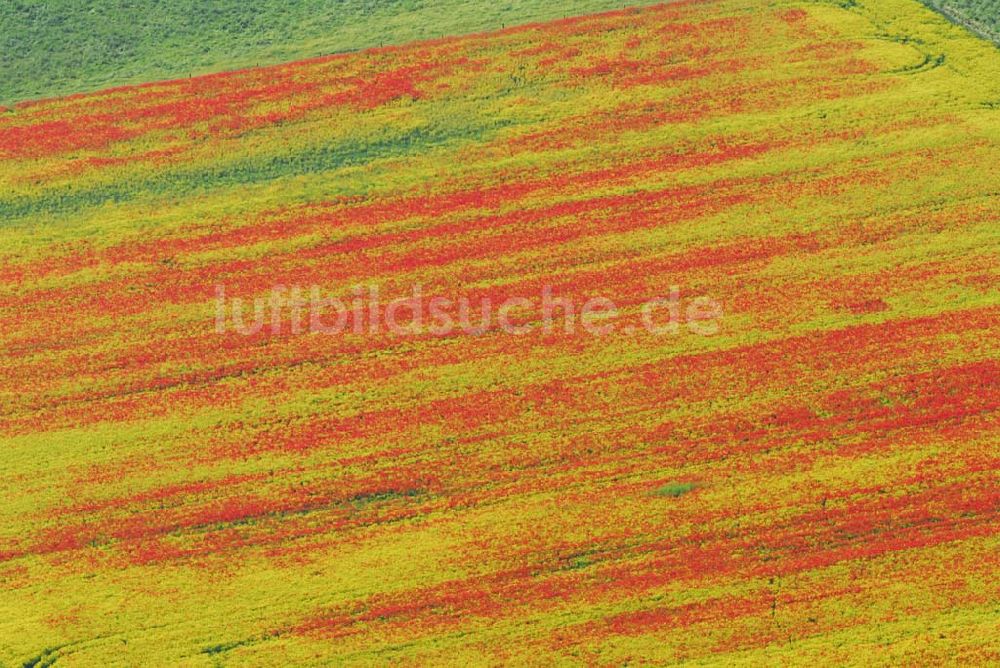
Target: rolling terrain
x: 815, y: 482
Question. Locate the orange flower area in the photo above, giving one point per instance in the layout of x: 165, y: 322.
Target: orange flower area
x: 815, y: 480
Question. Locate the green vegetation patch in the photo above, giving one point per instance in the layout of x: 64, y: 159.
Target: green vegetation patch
x: 675, y: 489
x: 980, y: 16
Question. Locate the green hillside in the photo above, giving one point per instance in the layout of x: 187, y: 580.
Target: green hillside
x: 57, y: 47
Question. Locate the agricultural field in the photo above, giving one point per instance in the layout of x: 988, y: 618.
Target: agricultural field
x: 980, y: 16
x: 115, y: 42
x: 809, y: 476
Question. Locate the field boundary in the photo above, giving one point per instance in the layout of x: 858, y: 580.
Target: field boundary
x: 959, y: 19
